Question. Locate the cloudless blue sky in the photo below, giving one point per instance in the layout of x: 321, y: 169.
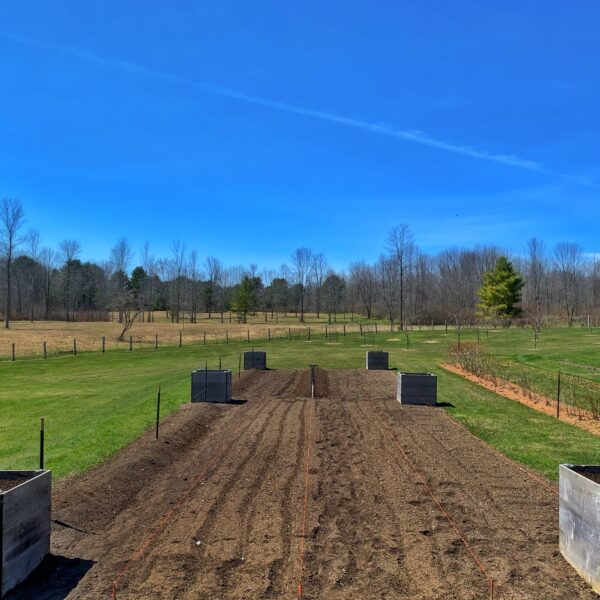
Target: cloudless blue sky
x: 248, y: 129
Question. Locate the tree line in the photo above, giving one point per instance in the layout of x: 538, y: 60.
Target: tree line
x: 405, y: 285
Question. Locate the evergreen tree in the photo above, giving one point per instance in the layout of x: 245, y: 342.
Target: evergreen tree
x: 138, y: 279
x: 500, y: 293
x: 244, y: 298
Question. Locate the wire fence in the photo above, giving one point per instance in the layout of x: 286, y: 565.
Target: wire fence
x: 579, y: 396
x: 73, y: 346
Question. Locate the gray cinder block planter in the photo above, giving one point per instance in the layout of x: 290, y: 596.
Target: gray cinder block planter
x: 417, y: 388
x: 376, y: 359
x: 255, y: 360
x: 212, y: 385
x: 25, y: 501
x: 579, y: 520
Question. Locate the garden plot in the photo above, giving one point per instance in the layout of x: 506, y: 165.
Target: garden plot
x: 287, y: 495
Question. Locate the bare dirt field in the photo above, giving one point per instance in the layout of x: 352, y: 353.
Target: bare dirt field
x: 285, y: 496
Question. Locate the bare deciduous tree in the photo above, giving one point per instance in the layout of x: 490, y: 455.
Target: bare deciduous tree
x: 319, y: 271
x: 48, y: 260
x: 12, y: 217
x: 568, y: 259
x: 33, y: 245
x: 69, y: 251
x: 213, y: 269
x: 400, y: 243
x: 302, y: 264
x: 388, y: 279
x: 363, y: 280
x: 178, y: 249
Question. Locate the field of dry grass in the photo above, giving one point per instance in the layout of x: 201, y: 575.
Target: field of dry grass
x: 29, y: 337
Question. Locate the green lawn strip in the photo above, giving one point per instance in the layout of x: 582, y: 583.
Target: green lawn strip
x: 522, y: 433
x: 95, y: 403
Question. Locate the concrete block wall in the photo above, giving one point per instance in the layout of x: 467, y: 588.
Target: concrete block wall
x: 212, y: 385
x: 579, y: 521
x: 255, y: 360
x: 377, y: 360
x: 417, y: 388
x: 25, y: 512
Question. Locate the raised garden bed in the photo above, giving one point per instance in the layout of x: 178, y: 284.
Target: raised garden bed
x: 377, y: 360
x: 25, y: 501
x: 255, y: 360
x: 579, y: 520
x: 417, y: 388
x: 212, y: 385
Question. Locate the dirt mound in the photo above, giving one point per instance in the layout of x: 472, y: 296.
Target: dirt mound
x: 96, y: 496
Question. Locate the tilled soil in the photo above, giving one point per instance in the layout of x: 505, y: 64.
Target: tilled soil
x: 9, y: 484
x: 216, y: 508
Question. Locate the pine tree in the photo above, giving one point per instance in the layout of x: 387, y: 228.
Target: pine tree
x: 500, y: 293
x: 244, y: 298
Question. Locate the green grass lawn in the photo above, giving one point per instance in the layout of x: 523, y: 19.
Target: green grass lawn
x: 95, y: 403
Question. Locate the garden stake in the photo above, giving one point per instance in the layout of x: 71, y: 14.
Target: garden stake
x: 558, y: 397
x: 157, y: 411
x: 42, y: 443
x: 205, y: 379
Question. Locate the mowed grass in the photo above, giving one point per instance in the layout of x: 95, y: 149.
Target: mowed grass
x: 95, y: 403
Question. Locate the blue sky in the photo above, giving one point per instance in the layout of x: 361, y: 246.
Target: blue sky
x: 248, y: 129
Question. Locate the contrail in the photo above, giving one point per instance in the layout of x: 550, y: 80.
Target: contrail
x: 408, y: 135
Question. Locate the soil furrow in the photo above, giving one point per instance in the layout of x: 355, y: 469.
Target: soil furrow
x: 281, y: 564
x: 372, y: 530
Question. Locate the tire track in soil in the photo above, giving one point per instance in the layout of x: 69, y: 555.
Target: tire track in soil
x: 131, y: 526
x: 349, y: 555
x: 428, y: 571
x: 450, y: 487
x: 412, y: 561
x: 491, y: 540
x: 402, y: 582
x: 275, y: 578
x: 183, y: 565
x: 479, y: 521
x: 450, y: 572
x: 248, y: 507
x: 150, y: 561
x: 541, y: 570
x: 186, y: 563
